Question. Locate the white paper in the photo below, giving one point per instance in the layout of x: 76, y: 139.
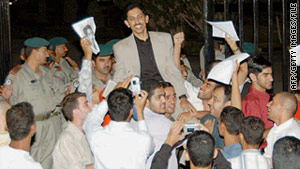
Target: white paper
x: 87, y: 28
x: 109, y: 88
x: 220, y: 28
x: 296, y: 52
x: 222, y: 72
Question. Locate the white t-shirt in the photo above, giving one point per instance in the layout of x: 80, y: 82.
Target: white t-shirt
x: 288, y: 128
x: 11, y: 158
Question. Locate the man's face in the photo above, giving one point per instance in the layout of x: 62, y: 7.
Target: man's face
x: 206, y: 89
x: 264, y: 79
x: 136, y: 21
x: 84, y: 107
x: 274, y: 108
x: 157, y: 102
x: 216, y: 103
x: 90, y: 34
x: 170, y: 99
x: 42, y: 54
x: 183, y: 72
x: 61, y: 50
x: 103, y: 64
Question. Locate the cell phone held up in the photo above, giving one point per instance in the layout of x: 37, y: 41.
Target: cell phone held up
x: 135, y: 85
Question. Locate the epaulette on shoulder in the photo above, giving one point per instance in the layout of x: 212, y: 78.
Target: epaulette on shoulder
x: 14, y: 71
x: 46, y: 66
x: 58, y: 68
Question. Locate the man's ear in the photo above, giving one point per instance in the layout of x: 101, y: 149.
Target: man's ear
x: 147, y: 18
x: 223, y: 128
x: 252, y: 76
x: 32, y: 129
x: 93, y: 64
x: 147, y: 103
x: 129, y: 116
x: 215, y: 153
x: 126, y: 23
x: 241, y: 138
x: 186, y: 155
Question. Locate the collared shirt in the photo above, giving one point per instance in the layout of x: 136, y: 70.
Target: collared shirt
x: 11, y: 158
x: 70, y: 72
x: 40, y: 90
x: 250, y: 159
x: 64, y: 71
x: 72, y: 149
x: 159, y: 127
x: 193, y: 95
x: 255, y: 104
x: 97, y: 82
x: 288, y: 128
x: 117, y: 145
x: 149, y: 68
x: 218, y: 139
x: 231, y: 151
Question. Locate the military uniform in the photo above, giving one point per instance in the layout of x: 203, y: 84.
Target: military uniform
x: 105, y: 50
x: 45, y: 94
x: 62, y: 70
x: 97, y: 82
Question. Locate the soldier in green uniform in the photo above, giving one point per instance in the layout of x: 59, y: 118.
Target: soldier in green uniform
x: 64, y: 67
x: 34, y: 83
x: 103, y: 64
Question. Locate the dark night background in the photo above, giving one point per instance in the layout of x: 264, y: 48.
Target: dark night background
x: 49, y: 18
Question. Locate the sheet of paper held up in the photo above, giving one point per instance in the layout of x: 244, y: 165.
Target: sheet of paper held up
x: 222, y: 72
x: 295, y: 52
x: 220, y: 28
x: 87, y: 28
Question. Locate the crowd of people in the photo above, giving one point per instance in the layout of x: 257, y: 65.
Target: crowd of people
x: 54, y: 113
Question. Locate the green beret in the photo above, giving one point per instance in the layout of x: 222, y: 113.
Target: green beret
x: 57, y: 41
x: 106, y: 49
x: 248, y: 47
x: 36, y: 42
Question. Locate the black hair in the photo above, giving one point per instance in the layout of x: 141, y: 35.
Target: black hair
x: 120, y: 103
x: 201, y: 148
x: 257, y: 64
x: 150, y: 85
x: 227, y: 91
x: 286, y: 153
x: 69, y: 103
x: 232, y: 118
x: 252, y: 129
x: 19, y: 119
x: 166, y: 84
x: 28, y: 51
x: 131, y: 6
x: 86, y: 28
x: 210, y: 66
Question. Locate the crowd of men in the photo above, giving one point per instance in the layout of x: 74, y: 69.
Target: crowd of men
x: 54, y: 114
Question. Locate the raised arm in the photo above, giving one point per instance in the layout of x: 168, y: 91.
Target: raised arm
x: 236, y: 100
x: 178, y: 39
x: 85, y: 74
x: 243, y: 71
x: 94, y: 119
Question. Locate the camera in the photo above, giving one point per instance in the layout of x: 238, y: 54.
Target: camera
x: 135, y: 85
x: 190, y: 127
